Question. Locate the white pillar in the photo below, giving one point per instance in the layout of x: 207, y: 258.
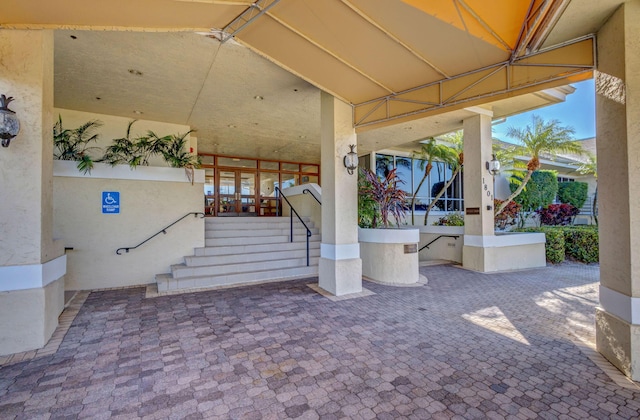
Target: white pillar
x: 340, y: 268
x: 32, y: 266
x: 478, y: 190
x: 618, y: 134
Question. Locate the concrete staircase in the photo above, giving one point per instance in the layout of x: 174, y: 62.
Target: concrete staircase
x: 241, y: 250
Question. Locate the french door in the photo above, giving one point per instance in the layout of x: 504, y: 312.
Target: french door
x: 236, y: 192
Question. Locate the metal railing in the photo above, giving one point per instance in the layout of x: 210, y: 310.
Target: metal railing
x: 441, y: 236
x: 279, y: 193
x: 308, y: 191
x: 163, y: 230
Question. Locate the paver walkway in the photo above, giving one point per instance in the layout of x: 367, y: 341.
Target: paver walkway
x: 466, y: 345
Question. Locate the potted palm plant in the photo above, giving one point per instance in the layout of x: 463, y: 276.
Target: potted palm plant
x: 389, y: 255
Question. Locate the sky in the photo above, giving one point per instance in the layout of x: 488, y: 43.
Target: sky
x: 578, y: 111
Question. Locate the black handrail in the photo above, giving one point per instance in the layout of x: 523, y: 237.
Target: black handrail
x: 279, y: 192
x: 308, y: 191
x: 441, y: 236
x: 164, y: 230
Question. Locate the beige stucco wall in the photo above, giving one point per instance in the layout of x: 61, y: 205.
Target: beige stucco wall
x: 444, y: 248
x: 515, y: 251
x: 383, y: 255
x: 116, y: 127
x: 304, y: 204
x: 146, y: 207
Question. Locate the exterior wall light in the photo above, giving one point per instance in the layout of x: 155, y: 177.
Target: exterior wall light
x: 494, y: 166
x: 9, y: 124
x: 351, y: 160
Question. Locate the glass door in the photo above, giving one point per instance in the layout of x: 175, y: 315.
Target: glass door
x: 236, y: 193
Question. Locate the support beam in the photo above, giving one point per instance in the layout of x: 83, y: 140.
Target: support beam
x: 567, y: 63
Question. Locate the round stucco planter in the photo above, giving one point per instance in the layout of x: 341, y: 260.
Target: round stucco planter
x: 386, y: 259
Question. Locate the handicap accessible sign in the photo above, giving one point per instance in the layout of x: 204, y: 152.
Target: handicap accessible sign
x: 110, y: 202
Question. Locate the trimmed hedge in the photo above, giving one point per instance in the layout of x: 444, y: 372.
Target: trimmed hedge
x: 574, y: 193
x: 576, y: 242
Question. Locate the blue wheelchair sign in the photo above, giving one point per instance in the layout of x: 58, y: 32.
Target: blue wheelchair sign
x: 110, y: 202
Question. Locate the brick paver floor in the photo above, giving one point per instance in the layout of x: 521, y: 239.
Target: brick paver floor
x: 466, y: 345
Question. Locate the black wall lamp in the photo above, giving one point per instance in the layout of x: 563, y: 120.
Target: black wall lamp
x: 351, y: 160
x: 494, y: 166
x: 9, y: 124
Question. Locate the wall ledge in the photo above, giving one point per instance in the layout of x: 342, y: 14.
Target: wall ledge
x: 68, y: 168
x: 32, y: 276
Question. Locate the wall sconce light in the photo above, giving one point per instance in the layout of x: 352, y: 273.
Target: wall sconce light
x: 351, y: 160
x: 494, y: 166
x: 9, y: 124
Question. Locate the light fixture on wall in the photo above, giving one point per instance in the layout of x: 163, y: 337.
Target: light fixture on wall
x: 351, y: 160
x: 9, y: 124
x: 494, y: 166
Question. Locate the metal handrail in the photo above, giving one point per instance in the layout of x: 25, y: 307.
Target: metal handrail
x: 441, y: 236
x: 279, y: 192
x: 163, y: 230
x: 308, y: 191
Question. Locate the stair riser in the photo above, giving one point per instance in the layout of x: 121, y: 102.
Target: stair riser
x: 169, y: 284
x: 249, y: 258
x: 215, y: 270
x: 254, y: 240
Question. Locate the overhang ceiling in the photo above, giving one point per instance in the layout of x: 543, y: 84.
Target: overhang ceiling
x: 396, y: 61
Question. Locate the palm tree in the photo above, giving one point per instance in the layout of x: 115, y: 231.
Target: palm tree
x: 538, y: 138
x: 429, y: 152
x: 455, y: 159
x: 74, y: 144
x: 590, y: 167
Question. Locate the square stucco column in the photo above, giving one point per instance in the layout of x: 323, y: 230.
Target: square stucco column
x: 478, y: 192
x: 618, y: 133
x: 340, y: 267
x: 32, y: 265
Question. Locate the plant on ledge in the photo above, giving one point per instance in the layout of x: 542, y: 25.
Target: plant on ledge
x: 451, y: 219
x: 73, y: 144
x: 380, y: 199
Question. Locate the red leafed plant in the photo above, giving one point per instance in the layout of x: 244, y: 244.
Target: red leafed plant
x: 390, y: 200
x: 508, y: 216
x: 557, y: 214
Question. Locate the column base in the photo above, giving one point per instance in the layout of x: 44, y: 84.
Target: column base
x: 619, y: 342
x: 340, y: 277
x: 28, y: 318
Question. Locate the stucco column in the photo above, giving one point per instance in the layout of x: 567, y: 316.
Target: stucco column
x: 618, y: 134
x: 478, y: 190
x: 32, y: 266
x: 340, y: 267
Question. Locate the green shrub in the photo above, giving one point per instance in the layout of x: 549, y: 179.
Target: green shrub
x: 540, y: 191
x: 574, y: 193
x: 581, y: 243
x: 577, y: 242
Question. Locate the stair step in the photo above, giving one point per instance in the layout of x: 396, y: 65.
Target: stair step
x: 258, y: 232
x: 314, y: 243
x: 222, y: 223
x: 167, y: 283
x: 182, y: 270
x: 249, y: 240
x: 212, y: 260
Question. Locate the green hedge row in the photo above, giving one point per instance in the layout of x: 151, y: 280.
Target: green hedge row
x: 576, y: 242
